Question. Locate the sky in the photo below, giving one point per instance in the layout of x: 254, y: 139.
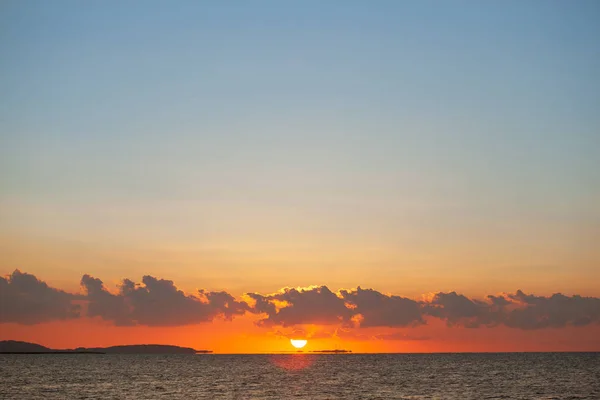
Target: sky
x: 415, y: 148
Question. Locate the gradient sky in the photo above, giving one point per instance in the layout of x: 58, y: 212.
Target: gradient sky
x: 412, y: 147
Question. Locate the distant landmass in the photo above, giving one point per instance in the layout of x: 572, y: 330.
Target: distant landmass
x: 21, y: 347
x: 144, y: 349
x: 17, y: 347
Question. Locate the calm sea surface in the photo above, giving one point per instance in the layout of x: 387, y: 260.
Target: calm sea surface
x: 302, y: 376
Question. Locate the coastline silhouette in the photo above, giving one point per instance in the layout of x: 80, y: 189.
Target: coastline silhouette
x: 19, y: 347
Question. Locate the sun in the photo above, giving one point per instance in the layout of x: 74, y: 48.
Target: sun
x: 298, y: 343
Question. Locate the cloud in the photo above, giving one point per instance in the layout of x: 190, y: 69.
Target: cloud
x: 556, y: 311
x: 518, y: 310
x: 377, y: 309
x: 368, y: 308
x: 26, y: 300
x: 319, y: 305
x: 262, y: 304
x: 457, y: 309
x: 313, y: 305
x: 157, y: 302
x: 499, y: 301
x: 102, y: 303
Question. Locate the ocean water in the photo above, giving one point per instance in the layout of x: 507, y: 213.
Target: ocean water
x: 302, y: 376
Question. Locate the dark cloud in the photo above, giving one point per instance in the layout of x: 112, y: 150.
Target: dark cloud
x: 518, y: 310
x: 319, y: 305
x: 102, y: 303
x: 366, y: 308
x: 26, y: 300
x: 556, y: 311
x: 499, y: 301
x: 314, y: 305
x: 377, y: 309
x: 262, y: 305
x: 457, y: 309
x: 157, y: 302
x: 225, y: 303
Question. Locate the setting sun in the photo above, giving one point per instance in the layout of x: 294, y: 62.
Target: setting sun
x: 298, y: 343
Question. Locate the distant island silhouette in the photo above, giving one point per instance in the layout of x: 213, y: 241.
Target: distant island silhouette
x: 18, y: 347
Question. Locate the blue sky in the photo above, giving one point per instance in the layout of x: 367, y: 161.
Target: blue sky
x: 296, y: 128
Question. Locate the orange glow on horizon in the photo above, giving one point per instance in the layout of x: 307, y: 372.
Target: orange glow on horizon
x: 243, y: 336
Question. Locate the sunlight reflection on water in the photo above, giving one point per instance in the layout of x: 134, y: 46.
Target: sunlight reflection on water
x: 292, y: 362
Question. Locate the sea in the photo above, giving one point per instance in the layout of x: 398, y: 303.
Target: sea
x: 301, y: 376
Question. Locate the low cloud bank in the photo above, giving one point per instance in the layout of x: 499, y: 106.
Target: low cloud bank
x: 25, y: 299
x: 157, y: 302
